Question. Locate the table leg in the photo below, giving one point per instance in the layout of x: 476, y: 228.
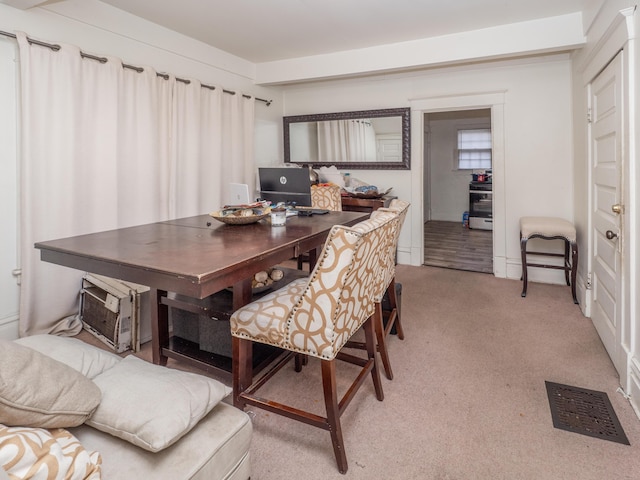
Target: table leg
x: 159, y: 325
x: 313, y: 258
x: 242, y: 350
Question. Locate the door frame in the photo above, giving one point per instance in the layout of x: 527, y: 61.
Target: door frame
x: 621, y: 351
x: 464, y: 101
x: 619, y: 33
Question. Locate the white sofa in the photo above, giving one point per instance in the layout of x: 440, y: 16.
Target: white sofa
x: 149, y: 422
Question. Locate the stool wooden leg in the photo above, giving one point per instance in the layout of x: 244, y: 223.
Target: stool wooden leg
x: 566, y: 261
x: 574, y: 270
x: 523, y: 251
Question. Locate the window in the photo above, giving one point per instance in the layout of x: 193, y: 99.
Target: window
x: 474, y: 148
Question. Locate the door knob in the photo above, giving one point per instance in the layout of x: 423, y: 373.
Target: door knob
x: 617, y: 208
x: 610, y: 235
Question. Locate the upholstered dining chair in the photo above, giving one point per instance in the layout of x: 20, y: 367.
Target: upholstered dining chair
x: 401, y: 207
x: 316, y: 316
x: 387, y: 287
x: 325, y: 196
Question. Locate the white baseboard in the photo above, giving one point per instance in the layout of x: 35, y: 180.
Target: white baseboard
x: 403, y: 257
x: 540, y: 275
x: 633, y: 389
x: 9, y: 329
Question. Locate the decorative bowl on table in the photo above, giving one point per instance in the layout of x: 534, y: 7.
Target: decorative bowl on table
x: 240, y: 216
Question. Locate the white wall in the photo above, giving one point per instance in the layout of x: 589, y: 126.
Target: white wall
x: 538, y: 170
x: 537, y: 106
x: 448, y: 188
x: 515, y: 40
x: 9, y: 291
x: 102, y: 30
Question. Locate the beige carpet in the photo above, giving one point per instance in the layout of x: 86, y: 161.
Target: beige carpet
x: 468, y: 400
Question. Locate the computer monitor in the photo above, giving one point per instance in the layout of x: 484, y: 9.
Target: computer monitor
x: 289, y: 185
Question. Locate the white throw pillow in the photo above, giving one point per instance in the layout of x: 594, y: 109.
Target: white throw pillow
x: 153, y: 406
x: 38, y: 391
x: 86, y: 359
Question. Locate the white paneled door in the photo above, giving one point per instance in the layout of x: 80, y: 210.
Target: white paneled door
x: 606, y: 211
x: 389, y: 148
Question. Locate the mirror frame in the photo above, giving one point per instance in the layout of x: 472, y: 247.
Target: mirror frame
x: 404, y: 113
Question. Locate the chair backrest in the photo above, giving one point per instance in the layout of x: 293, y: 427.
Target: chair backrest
x: 327, y: 196
x: 399, y: 207
x: 385, y: 243
x: 339, y: 296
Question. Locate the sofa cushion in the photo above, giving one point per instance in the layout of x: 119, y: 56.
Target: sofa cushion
x: 85, y: 358
x: 216, y: 448
x: 36, y: 453
x: 153, y: 406
x: 38, y: 391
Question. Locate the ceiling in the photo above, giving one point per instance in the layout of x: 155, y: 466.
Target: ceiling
x: 265, y: 31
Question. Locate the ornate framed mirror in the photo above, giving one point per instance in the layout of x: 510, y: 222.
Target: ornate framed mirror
x: 366, y: 139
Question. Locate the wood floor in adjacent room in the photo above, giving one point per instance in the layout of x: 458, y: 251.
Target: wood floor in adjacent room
x: 451, y: 245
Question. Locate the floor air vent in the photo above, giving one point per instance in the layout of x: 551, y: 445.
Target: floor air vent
x: 587, y: 412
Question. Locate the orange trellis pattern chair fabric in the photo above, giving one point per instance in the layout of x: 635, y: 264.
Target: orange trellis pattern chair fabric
x: 326, y: 196
x: 400, y: 207
x: 316, y: 316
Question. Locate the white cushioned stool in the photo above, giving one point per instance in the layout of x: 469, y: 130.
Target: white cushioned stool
x: 550, y: 228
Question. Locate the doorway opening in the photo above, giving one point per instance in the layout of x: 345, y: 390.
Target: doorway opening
x: 458, y: 215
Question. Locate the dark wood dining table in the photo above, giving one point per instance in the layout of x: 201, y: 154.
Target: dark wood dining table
x: 193, y: 257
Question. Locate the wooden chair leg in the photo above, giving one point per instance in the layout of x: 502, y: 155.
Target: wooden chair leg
x: 381, y: 337
x: 394, y: 316
x: 242, y: 368
x: 298, y: 363
x: 380, y: 332
x: 300, y: 360
x: 333, y: 413
x: 370, y: 343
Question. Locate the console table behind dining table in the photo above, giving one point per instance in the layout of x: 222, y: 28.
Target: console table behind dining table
x: 193, y: 257
x: 368, y: 205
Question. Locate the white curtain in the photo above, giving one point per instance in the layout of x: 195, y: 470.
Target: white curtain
x: 346, y: 141
x: 105, y: 147
x: 213, y: 147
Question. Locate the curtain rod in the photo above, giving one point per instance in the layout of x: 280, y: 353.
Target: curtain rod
x: 55, y: 48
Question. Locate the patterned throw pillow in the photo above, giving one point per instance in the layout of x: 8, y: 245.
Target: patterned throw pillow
x: 40, y: 454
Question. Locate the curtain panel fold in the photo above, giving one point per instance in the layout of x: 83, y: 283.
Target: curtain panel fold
x: 104, y: 147
x: 346, y: 141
